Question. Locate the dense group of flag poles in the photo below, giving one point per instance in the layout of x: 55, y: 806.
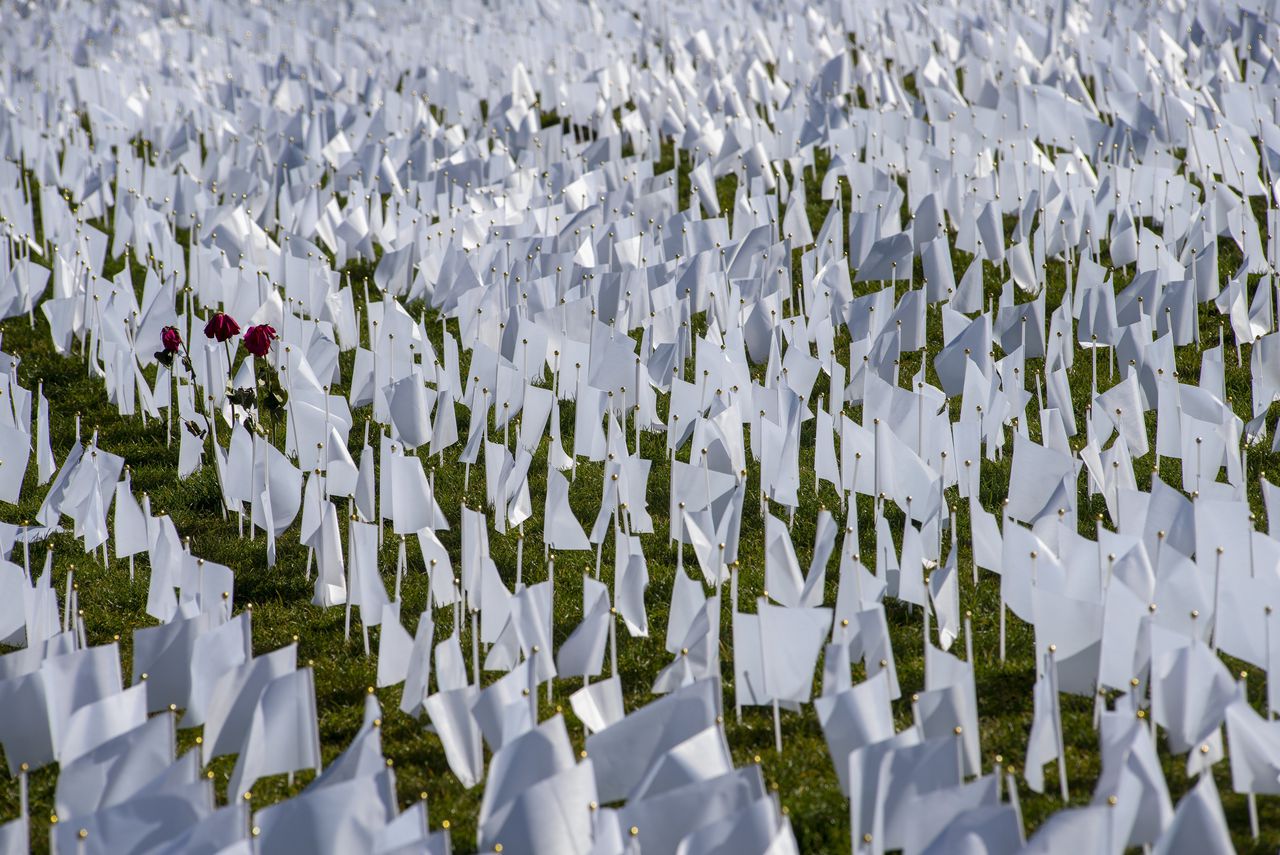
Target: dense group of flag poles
x: 589, y: 238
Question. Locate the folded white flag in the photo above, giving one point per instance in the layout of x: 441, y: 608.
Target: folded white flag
x: 284, y: 735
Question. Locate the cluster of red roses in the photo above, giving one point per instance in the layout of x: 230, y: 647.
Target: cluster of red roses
x: 266, y: 397
x: 257, y: 339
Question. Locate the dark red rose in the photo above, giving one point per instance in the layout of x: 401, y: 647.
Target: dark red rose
x: 257, y: 340
x: 221, y: 326
x: 171, y: 339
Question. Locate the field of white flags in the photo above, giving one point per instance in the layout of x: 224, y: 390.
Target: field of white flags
x: 738, y: 427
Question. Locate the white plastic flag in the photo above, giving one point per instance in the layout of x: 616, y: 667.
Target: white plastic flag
x: 284, y: 734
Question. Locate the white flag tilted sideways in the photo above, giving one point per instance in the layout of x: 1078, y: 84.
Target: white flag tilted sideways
x: 233, y: 704
x: 790, y: 641
x: 284, y: 735
x: 1042, y: 744
x: 1132, y: 782
x: 450, y: 713
x: 116, y: 769
x: 622, y: 752
x: 345, y: 816
x: 1254, y: 747
x: 1198, y: 823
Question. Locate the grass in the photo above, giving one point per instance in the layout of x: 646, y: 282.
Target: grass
x: 803, y: 775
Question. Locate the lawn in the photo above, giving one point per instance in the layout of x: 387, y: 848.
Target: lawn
x: 803, y: 774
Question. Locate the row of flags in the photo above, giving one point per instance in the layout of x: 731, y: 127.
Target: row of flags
x: 557, y: 274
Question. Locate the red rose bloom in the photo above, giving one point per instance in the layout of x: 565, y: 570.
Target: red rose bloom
x: 171, y: 339
x: 221, y: 326
x: 257, y: 340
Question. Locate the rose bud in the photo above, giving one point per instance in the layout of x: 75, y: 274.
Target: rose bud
x: 221, y: 326
x: 171, y: 339
x: 257, y: 340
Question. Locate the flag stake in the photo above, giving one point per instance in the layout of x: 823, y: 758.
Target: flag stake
x: 1002, y: 626
x: 1217, y: 588
x: 968, y: 637
x: 1057, y: 722
x: 777, y: 727
x: 1012, y: 783
x: 1266, y: 626
x: 613, y: 640
x: 24, y: 797
x: 520, y: 557
x: 475, y: 646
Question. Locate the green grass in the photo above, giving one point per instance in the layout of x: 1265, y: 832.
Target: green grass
x: 803, y: 775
